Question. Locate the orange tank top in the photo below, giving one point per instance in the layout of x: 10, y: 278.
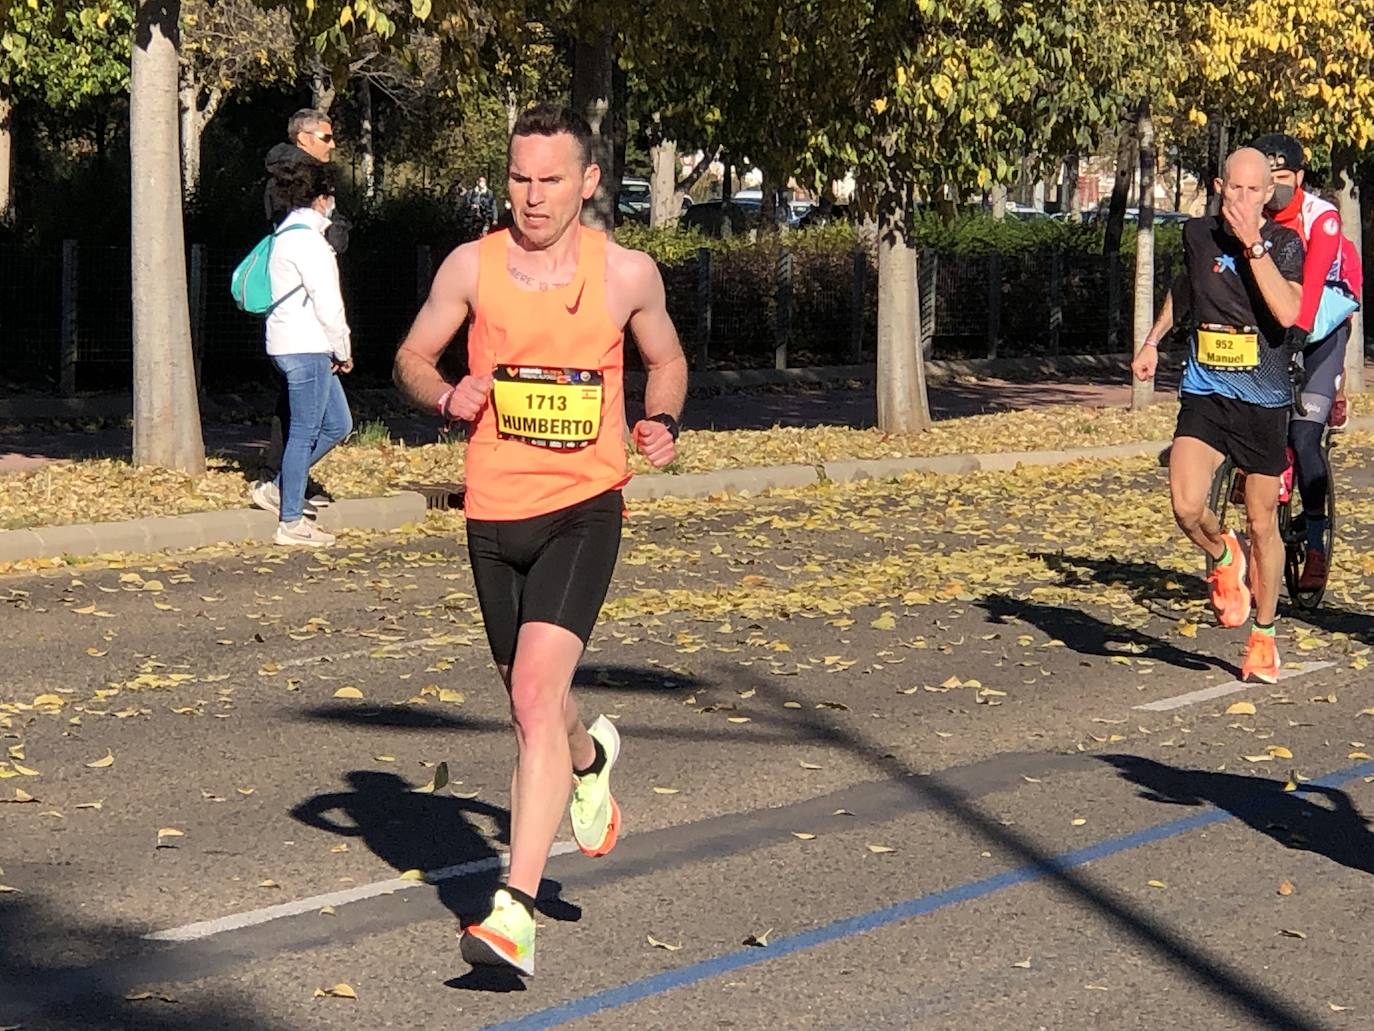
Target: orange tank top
x: 553, y: 431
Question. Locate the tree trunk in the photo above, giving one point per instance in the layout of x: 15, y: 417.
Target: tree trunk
x: 512, y: 110
x: 902, y: 403
x: 190, y: 139
x: 998, y: 200
x: 194, y: 119
x: 664, y: 205
x: 366, y: 153
x: 166, y: 412
x: 1218, y: 142
x: 771, y: 196
x: 592, y: 87
x: 1126, y: 150
x: 322, y: 89
x: 1353, y: 224
x: 1071, y: 201
x: 1143, y: 393
x: 6, y: 159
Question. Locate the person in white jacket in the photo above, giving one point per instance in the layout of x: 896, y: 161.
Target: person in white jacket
x: 308, y: 342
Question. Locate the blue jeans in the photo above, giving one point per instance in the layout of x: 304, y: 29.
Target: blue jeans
x: 319, y: 420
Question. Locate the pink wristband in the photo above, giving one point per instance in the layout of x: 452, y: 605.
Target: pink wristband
x: 443, y: 404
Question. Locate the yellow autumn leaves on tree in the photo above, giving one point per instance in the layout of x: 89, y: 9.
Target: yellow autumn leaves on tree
x: 1303, y: 66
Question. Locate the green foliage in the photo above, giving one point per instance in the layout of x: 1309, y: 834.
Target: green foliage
x: 370, y: 434
x: 970, y: 235
x: 668, y: 245
x: 67, y: 58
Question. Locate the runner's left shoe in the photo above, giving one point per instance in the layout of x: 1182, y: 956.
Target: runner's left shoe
x: 1261, y: 658
x: 504, y: 938
x: 1230, y: 593
x: 595, y: 814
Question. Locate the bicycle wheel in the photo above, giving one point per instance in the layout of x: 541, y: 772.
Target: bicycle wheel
x: 1295, y: 545
x: 1219, y: 500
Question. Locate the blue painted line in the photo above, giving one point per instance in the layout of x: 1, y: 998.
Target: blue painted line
x: 693, y: 973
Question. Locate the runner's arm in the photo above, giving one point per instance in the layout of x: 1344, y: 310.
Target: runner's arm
x: 1279, y: 278
x: 416, y: 369
x: 1323, y: 244
x: 1164, y: 324
x: 665, y: 387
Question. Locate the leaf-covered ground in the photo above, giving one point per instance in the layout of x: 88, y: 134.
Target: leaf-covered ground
x: 104, y: 490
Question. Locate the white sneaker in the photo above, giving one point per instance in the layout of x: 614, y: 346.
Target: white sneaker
x: 303, y: 533
x: 266, y: 496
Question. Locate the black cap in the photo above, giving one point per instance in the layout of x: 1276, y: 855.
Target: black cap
x: 1282, y: 150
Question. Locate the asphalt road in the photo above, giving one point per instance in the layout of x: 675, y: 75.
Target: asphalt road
x: 886, y: 766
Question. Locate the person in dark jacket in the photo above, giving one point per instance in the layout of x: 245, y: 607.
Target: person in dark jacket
x: 310, y: 141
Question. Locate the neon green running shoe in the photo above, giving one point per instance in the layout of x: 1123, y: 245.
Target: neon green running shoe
x: 505, y: 938
x: 595, y: 815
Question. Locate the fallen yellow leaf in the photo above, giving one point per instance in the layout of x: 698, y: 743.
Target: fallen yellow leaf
x: 339, y: 991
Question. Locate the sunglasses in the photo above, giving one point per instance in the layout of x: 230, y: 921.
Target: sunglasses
x: 323, y: 137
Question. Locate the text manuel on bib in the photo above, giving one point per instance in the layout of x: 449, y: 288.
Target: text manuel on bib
x: 1228, y: 347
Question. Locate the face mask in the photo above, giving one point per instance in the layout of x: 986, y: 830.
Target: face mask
x: 1283, y: 196
x: 329, y: 209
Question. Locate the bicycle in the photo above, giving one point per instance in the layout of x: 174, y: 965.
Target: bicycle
x: 1228, y: 494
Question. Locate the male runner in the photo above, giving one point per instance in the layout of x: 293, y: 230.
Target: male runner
x: 1331, y: 258
x: 549, y: 301
x: 1241, y: 288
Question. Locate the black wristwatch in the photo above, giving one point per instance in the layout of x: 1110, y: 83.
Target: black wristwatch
x: 666, y: 420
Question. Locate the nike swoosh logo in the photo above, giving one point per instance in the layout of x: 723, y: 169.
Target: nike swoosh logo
x: 572, y: 308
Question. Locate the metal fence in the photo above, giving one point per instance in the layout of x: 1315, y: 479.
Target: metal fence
x: 66, y: 321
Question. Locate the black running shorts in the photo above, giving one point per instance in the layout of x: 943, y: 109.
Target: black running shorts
x: 1254, y: 437
x: 553, y: 568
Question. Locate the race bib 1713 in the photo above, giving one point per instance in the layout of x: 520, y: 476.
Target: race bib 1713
x: 547, y: 407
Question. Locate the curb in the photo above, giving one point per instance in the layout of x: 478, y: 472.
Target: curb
x: 751, y: 481
x: 166, y: 533
x: 170, y: 533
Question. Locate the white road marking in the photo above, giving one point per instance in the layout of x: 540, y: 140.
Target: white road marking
x: 1234, y: 687
x: 236, y: 921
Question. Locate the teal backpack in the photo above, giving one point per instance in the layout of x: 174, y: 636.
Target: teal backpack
x: 251, y: 283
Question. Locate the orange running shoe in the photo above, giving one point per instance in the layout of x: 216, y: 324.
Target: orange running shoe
x: 1230, y: 593
x: 1313, y: 571
x: 1261, y: 658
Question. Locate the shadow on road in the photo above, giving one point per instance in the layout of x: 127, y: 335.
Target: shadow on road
x: 1088, y: 635
x: 59, y: 975
x: 1312, y: 818
x: 413, y: 830
x: 1262, y: 1007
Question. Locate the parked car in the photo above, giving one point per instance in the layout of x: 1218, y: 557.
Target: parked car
x: 710, y: 215
x: 634, y: 195
x: 787, y: 213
